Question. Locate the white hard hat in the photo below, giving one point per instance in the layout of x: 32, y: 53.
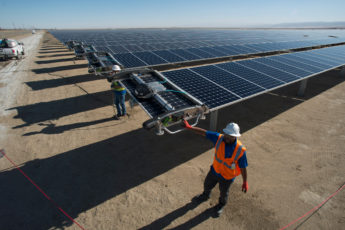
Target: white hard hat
x: 232, y: 129
x: 116, y: 68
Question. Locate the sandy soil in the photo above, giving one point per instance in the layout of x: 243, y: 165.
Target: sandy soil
x: 111, y: 174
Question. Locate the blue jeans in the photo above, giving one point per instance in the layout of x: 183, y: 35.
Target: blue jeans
x: 120, y: 104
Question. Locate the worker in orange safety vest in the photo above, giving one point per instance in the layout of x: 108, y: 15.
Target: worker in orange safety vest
x: 229, y: 162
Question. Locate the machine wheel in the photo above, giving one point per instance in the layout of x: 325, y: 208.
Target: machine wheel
x: 18, y: 57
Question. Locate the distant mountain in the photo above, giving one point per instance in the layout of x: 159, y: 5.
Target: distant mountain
x: 311, y: 25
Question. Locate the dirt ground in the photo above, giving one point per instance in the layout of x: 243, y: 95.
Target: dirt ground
x: 112, y: 174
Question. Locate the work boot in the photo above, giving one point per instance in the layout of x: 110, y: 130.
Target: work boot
x: 218, y: 209
x: 201, y: 198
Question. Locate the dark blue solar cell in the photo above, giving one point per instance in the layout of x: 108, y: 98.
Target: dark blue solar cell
x: 185, y: 54
x: 129, y: 60
x: 133, y: 48
x: 201, y: 53
x: 169, y: 56
x: 228, y: 51
x: 201, y: 88
x: 320, y: 59
x: 251, y: 75
x: 282, y: 66
x: 147, y: 47
x: 102, y: 48
x: 118, y: 49
x: 273, y: 72
x: 334, y: 57
x: 308, y: 61
x: 240, y: 49
x: 336, y: 51
x: 214, y: 51
x: 287, y: 60
x: 262, y: 47
x: 286, y: 45
x: 160, y: 46
x: 237, y: 85
x: 150, y: 58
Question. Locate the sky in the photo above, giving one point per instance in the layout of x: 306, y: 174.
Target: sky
x: 82, y: 14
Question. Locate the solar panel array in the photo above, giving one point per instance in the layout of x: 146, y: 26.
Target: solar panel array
x: 136, y: 48
x: 224, y: 84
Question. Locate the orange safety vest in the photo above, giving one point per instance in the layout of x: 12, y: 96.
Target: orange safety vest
x: 227, y: 167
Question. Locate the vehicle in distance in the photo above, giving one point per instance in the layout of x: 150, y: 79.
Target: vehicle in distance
x: 10, y: 48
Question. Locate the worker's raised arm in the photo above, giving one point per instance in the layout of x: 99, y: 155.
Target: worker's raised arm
x: 197, y: 130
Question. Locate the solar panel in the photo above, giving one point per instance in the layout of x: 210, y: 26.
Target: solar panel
x: 237, y: 85
x: 270, y: 61
x: 196, y: 44
x: 309, y: 61
x: 169, y: 56
x: 270, y: 71
x: 291, y: 61
x: 150, y: 58
x: 319, y: 58
x: 223, y: 84
x: 201, y: 88
x: 129, y: 60
x: 185, y: 54
x: 251, y: 75
x: 201, y: 53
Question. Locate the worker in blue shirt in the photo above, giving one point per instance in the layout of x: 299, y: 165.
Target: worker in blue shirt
x: 119, y: 94
x: 229, y: 162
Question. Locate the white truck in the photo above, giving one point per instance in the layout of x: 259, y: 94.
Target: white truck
x: 10, y: 48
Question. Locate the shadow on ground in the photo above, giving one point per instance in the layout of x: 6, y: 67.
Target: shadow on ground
x: 165, y: 221
x: 83, y: 178
x: 52, y: 83
x: 54, y: 51
x: 50, y: 128
x: 59, y: 68
x: 44, y: 111
x: 55, y: 55
x: 54, y: 48
x: 54, y: 61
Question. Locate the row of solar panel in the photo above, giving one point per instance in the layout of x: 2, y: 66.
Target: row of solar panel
x: 157, y: 53
x: 224, y: 84
x: 157, y: 57
x: 161, y: 45
x: 161, y: 36
x: 262, y: 47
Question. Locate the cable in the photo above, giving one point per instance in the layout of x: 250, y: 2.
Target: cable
x: 81, y: 88
x: 2, y: 152
x: 315, y: 209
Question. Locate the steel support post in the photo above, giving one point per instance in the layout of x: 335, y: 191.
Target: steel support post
x: 214, y: 120
x: 302, y: 88
x: 342, y: 72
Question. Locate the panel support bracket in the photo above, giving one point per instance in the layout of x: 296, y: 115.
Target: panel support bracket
x: 213, y: 120
x: 342, y: 72
x: 302, y: 87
